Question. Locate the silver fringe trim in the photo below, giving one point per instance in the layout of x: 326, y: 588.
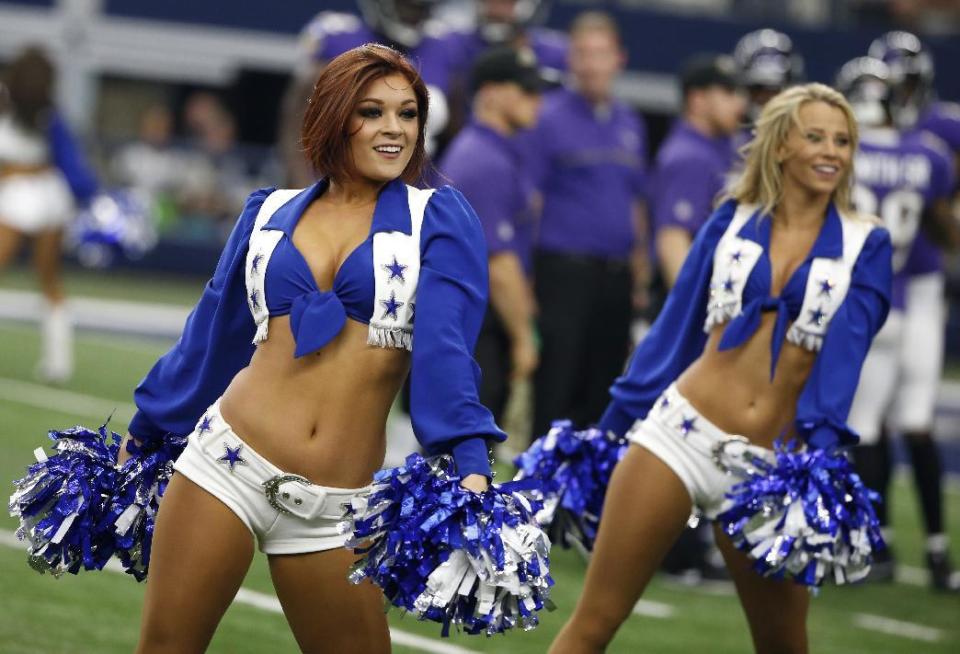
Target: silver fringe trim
x: 804, y: 339
x: 390, y: 338
x: 262, y: 328
x: 719, y: 314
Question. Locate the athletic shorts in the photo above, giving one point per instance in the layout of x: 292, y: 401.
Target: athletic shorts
x: 285, y: 512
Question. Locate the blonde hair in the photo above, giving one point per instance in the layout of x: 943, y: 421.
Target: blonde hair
x: 762, y: 179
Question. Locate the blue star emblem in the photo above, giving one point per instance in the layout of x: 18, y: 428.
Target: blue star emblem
x: 232, y: 456
x: 255, y: 300
x: 664, y: 402
x: 396, y: 270
x: 816, y: 316
x: 728, y: 285
x: 204, y: 425
x: 826, y: 287
x: 688, y: 425
x: 736, y: 256
x: 391, y: 306
x: 255, y: 264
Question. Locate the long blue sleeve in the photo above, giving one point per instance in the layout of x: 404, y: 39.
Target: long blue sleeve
x: 451, y: 299
x: 826, y: 398
x: 217, y: 342
x: 69, y: 158
x: 676, y: 338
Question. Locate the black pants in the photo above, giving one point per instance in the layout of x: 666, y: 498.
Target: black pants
x: 493, y: 357
x: 584, y: 323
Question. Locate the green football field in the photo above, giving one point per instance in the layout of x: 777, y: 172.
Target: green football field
x: 99, y: 612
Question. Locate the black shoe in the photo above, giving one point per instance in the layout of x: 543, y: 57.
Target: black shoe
x: 942, y: 575
x: 882, y: 568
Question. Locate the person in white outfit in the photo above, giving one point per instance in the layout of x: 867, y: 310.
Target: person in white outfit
x: 36, y: 201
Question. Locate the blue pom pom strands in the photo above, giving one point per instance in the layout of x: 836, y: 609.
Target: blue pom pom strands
x: 807, y: 515
x: 141, y: 482
x: 62, y: 502
x: 574, y: 468
x: 476, y: 561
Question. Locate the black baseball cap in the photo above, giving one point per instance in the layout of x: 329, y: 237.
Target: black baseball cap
x: 506, y: 64
x: 706, y: 70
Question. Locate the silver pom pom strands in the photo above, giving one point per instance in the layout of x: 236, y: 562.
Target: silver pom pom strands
x: 62, y: 502
x: 807, y: 515
x: 77, y: 507
x: 574, y: 469
x: 474, y: 561
x: 141, y: 482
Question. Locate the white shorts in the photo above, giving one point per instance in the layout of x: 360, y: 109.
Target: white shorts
x: 901, y: 374
x: 35, y: 202
x: 707, y: 460
x: 286, y: 513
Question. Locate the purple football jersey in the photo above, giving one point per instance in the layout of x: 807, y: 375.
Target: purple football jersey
x: 942, y: 119
x: 897, y: 178
x: 463, y: 47
x: 332, y: 33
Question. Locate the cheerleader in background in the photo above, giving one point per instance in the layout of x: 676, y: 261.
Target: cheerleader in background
x: 41, y: 175
x: 762, y: 336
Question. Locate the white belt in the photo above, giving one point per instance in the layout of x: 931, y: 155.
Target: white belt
x: 730, y: 453
x: 286, y: 492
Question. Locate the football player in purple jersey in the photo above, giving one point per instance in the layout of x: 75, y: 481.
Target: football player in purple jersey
x: 906, y: 180
x: 405, y: 25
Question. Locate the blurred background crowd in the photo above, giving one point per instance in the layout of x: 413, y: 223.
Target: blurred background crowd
x: 593, y: 140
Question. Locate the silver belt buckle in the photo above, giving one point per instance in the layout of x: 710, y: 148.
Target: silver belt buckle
x: 271, y: 489
x: 719, y: 456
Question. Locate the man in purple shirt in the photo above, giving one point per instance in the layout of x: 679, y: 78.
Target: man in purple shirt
x: 695, y: 159
x: 484, y: 164
x: 588, y: 157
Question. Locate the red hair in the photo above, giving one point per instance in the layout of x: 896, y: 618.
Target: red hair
x: 325, y: 134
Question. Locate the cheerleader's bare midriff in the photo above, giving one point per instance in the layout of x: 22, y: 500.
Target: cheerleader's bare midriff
x: 322, y: 415
x: 733, y: 389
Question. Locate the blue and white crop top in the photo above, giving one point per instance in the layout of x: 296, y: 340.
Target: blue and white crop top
x: 279, y: 281
x: 425, y: 256
x: 834, y: 303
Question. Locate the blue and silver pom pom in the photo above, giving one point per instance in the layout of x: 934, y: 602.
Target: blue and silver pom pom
x: 574, y: 468
x: 62, y: 502
x: 477, y: 561
x: 807, y: 515
x: 117, y: 222
x: 141, y: 482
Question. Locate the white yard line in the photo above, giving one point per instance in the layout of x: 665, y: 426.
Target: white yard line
x: 148, y: 318
x: 649, y: 609
x: 271, y: 604
x: 55, y: 399
x: 901, y: 628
